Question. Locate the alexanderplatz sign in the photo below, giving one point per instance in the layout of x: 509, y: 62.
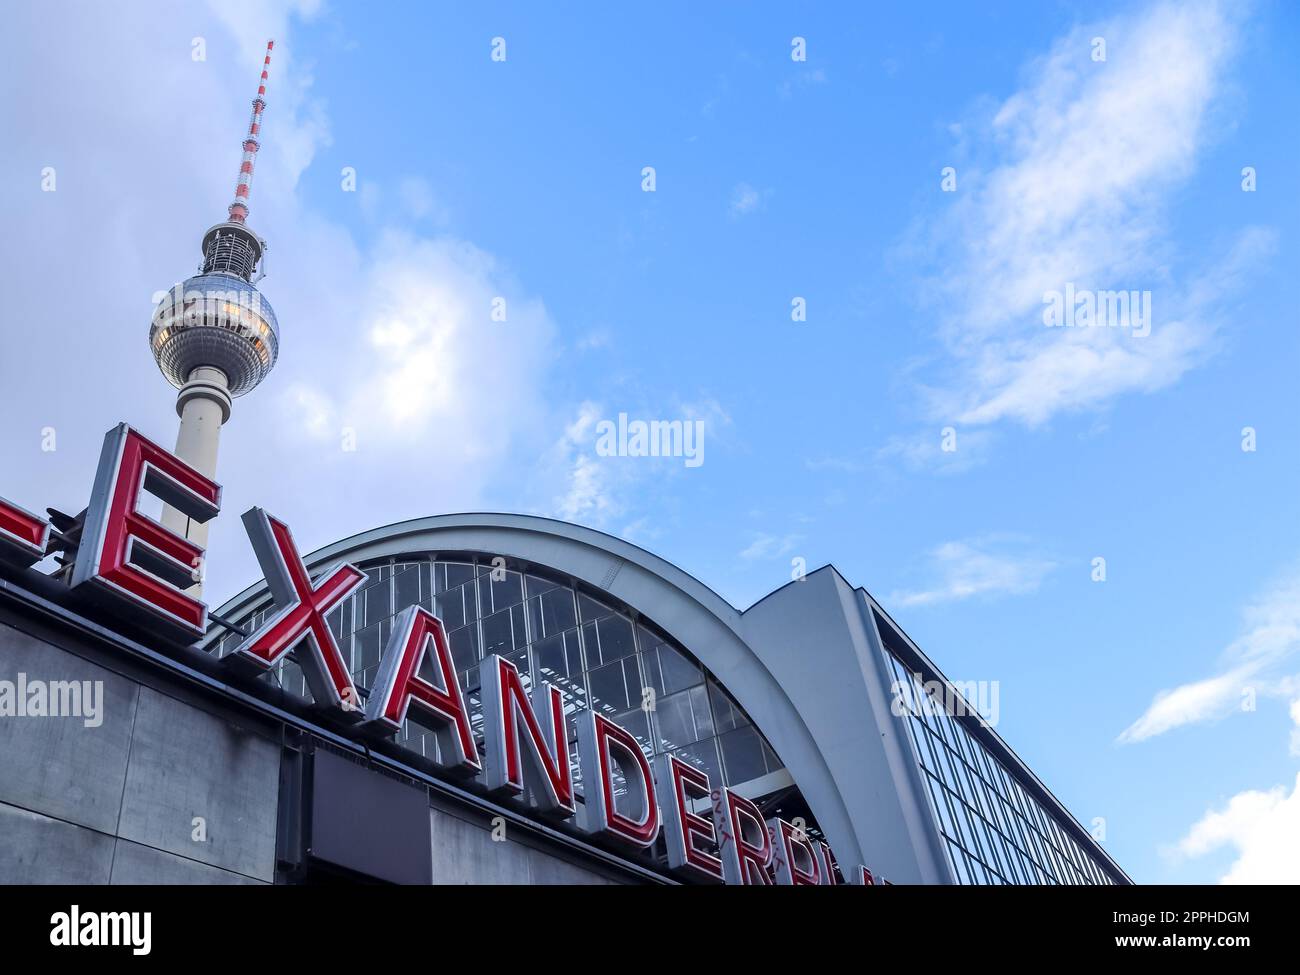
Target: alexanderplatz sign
x: 130, y: 565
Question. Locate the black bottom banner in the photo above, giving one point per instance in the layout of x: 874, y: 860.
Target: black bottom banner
x: 964, y: 924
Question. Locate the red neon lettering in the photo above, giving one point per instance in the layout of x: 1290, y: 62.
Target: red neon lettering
x: 599, y: 739
x: 23, y: 536
x: 300, y: 622
x: 398, y: 684
x: 506, y: 707
x: 131, y: 558
x: 687, y: 836
x: 743, y: 840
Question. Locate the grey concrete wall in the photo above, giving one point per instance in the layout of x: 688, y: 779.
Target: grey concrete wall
x: 464, y: 852
x: 117, y: 803
x: 809, y: 636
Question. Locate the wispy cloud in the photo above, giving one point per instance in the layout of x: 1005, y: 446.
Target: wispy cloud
x: 765, y: 546
x: 1080, y: 169
x: 589, y: 495
x: 601, y: 490
x: 806, y: 78
x: 926, y: 451
x: 1270, y: 636
x: 599, y: 338
x: 976, y: 567
x: 1200, y: 700
x: 745, y: 199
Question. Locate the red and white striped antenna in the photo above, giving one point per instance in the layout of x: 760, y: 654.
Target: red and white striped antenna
x: 239, y: 207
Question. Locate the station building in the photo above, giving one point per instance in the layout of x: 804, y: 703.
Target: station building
x: 197, y: 774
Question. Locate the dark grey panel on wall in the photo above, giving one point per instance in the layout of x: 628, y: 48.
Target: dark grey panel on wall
x: 368, y: 822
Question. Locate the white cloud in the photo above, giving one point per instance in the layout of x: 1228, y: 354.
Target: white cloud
x: 745, y: 199
x: 313, y: 410
x: 1295, y: 731
x: 963, y: 569
x: 588, y: 497
x: 417, y: 197
x: 1085, y: 158
x: 1263, y: 828
x: 765, y: 546
x: 924, y: 451
x: 599, y: 338
x: 598, y: 491
x: 1029, y: 380
x: 438, y: 370
x: 1202, y: 700
x: 1270, y: 636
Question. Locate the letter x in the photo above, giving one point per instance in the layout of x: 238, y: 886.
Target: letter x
x: 300, y: 618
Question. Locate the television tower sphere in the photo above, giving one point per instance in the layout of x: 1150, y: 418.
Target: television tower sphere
x: 218, y: 319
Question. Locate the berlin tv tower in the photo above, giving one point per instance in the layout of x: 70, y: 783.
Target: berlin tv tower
x: 215, y: 337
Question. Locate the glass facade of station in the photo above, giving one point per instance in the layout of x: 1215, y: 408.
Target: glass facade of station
x: 596, y: 651
x: 994, y: 830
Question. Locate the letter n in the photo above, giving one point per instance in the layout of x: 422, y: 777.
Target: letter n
x: 527, y: 744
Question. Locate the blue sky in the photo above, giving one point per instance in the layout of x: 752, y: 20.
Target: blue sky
x: 775, y: 179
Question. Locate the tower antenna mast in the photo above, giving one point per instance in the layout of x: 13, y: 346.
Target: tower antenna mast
x: 239, y: 206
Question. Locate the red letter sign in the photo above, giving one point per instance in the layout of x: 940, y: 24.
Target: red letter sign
x: 830, y: 867
x: 505, y: 708
x: 742, y: 839
x: 686, y: 834
x: 398, y: 685
x: 864, y: 877
x: 300, y: 621
x: 129, y: 558
x: 598, y: 737
x: 794, y: 857
x: 23, y: 536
